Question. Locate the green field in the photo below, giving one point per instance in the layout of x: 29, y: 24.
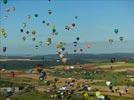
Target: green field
x: 37, y: 96
x: 117, y: 78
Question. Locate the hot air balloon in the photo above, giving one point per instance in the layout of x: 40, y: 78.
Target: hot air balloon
x: 63, y: 49
x: 7, y: 10
x: 49, y: 41
x: 49, y: 12
x: 36, y: 46
x: 40, y: 43
x: 108, y: 83
x: 3, y: 32
x: 88, y: 46
x: 81, y: 50
x: 43, y: 21
x: 24, y: 38
x: 4, y: 49
x: 111, y: 41
x: 76, y: 17
x: 58, y: 60
x: 33, y: 39
x: 116, y: 31
x: 5, y: 35
x: 121, y: 38
x: 5, y: 17
x: 75, y: 50
x: 67, y: 27
x: 70, y: 27
x: 24, y: 25
x: 73, y: 24
x: 54, y: 30
x: 47, y: 24
x: 113, y: 60
x: 60, y: 45
x: 29, y: 17
x: 13, y: 74
x: 55, y: 33
x: 77, y: 38
x: 35, y: 15
x: 13, y: 8
x: 64, y: 60
x: 61, y: 55
x: 75, y: 43
x: 42, y: 75
x: 33, y: 32
x: 21, y: 30
x: 5, y: 1
x: 27, y: 32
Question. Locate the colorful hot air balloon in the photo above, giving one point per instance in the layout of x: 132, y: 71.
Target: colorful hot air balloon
x: 49, y: 41
x: 3, y: 32
x: 60, y: 45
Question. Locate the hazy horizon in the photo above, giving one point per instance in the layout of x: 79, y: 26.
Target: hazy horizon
x: 96, y: 48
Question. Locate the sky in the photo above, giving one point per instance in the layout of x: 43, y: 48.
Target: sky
x: 96, y: 22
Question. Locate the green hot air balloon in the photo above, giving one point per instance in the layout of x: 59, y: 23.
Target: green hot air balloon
x: 5, y: 1
x: 116, y: 31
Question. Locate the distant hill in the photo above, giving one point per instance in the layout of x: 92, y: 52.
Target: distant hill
x: 26, y: 62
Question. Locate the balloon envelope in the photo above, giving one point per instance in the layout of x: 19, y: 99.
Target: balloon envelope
x: 64, y: 60
x: 121, y: 38
x: 116, y: 31
x: 5, y: 1
x: 4, y: 49
x: 77, y: 38
x: 108, y: 83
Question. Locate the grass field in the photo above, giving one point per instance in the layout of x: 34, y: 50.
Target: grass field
x: 37, y: 96
x: 104, y: 73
